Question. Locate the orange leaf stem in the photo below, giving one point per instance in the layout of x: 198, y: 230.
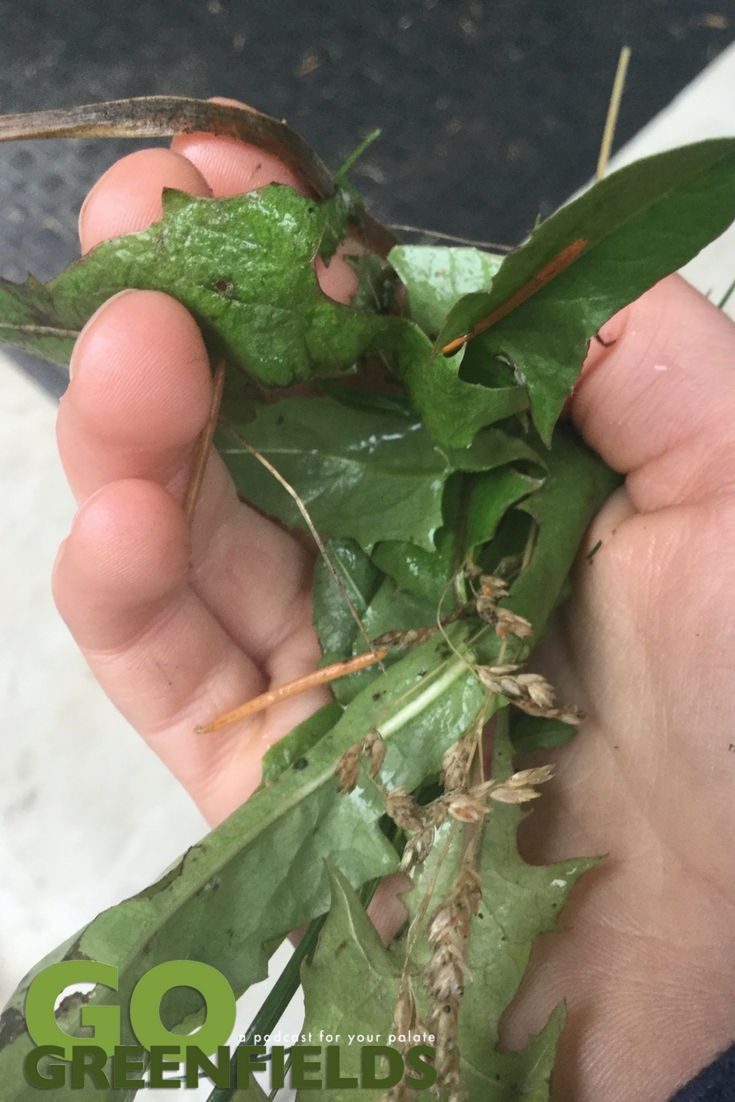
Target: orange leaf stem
x: 543, y: 276
x: 293, y: 688
x: 204, y: 444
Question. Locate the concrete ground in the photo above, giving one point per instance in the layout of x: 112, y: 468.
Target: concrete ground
x: 88, y: 814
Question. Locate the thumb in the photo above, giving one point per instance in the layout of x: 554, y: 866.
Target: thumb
x: 659, y: 402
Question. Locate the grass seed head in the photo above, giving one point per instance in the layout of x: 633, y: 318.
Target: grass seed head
x: 505, y: 795
x: 467, y: 807
x: 404, y: 1013
x: 457, y: 760
x: 468, y: 887
x: 374, y: 746
x: 492, y: 585
x: 403, y: 810
x: 570, y: 714
x: 537, y: 688
x: 445, y: 975
x: 443, y: 919
x: 348, y: 768
x: 417, y: 849
x: 509, y: 623
x: 436, y: 812
x: 445, y: 1026
x: 538, y: 775
x: 487, y: 610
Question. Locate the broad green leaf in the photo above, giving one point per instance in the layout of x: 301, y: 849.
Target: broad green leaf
x: 453, y: 410
x: 493, y: 448
x: 577, y: 485
x: 519, y: 902
x: 393, y: 609
x: 491, y: 495
x: 367, y: 401
x: 375, y: 600
x: 336, y: 628
x: 423, y: 573
x: 291, y: 750
x: 243, y: 266
x: 333, y: 622
x: 260, y: 874
x: 546, y: 527
x: 435, y: 277
x: 350, y: 990
x: 472, y: 509
x: 374, y: 597
x: 428, y: 574
x: 640, y: 224
x: 365, y: 476
x: 442, y: 699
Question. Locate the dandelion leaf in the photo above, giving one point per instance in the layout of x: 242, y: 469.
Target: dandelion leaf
x: 537, y: 539
x: 291, y: 750
x: 436, y: 277
x: 350, y: 989
x: 520, y: 901
x: 244, y: 267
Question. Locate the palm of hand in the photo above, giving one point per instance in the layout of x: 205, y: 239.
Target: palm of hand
x: 646, y: 646
x: 180, y: 626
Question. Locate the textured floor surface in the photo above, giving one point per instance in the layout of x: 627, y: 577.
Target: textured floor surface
x: 87, y: 814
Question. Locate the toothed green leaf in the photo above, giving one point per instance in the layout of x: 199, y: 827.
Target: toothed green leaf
x: 350, y: 987
x: 435, y: 277
x: 519, y: 902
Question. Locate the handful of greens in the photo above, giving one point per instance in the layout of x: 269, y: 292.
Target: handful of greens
x: 452, y: 506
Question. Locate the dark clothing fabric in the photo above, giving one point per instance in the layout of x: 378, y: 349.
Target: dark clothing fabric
x: 715, y: 1084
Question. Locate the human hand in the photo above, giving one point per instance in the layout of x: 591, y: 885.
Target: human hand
x: 178, y: 626
x: 646, y: 646
x: 174, y: 644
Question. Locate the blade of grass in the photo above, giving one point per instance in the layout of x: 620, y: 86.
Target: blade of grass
x: 726, y: 297
x: 612, y: 111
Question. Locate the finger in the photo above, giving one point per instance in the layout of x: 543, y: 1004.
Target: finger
x: 659, y: 403
x: 127, y: 198
x: 232, y: 167
x: 386, y: 909
x: 121, y: 584
x: 138, y: 398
